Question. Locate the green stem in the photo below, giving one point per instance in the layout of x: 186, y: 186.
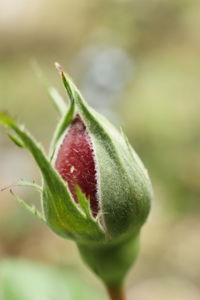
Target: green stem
x: 116, y: 292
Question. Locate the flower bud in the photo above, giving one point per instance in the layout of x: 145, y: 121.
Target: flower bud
x: 95, y: 188
x: 92, y: 154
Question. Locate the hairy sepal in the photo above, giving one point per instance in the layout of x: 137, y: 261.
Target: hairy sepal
x: 125, y: 189
x: 61, y: 127
x: 62, y: 214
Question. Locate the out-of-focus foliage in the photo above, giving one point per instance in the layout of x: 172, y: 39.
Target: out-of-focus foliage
x: 137, y: 61
x: 163, y: 122
x: 23, y: 280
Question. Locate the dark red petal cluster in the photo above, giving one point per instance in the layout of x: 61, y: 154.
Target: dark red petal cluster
x: 75, y: 162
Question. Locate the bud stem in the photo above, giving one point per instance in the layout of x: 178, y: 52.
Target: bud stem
x: 116, y: 292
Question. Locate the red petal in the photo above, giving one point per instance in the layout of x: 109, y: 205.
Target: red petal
x: 75, y: 162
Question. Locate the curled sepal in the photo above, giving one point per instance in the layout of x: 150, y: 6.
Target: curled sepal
x: 33, y: 185
x: 62, y: 214
x: 24, y: 183
x: 30, y: 208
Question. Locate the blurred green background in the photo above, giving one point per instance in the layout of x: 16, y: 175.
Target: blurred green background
x: 136, y: 61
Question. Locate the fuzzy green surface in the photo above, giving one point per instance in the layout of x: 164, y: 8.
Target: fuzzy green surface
x: 111, y: 262
x: 109, y: 242
x: 125, y: 189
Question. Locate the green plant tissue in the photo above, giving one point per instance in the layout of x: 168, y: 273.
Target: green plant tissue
x: 23, y: 280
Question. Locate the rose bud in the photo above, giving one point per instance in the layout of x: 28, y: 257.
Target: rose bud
x: 95, y: 189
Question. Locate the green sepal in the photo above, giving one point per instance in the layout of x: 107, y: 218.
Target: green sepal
x: 125, y: 187
x: 16, y: 141
x: 55, y: 96
x: 111, y: 262
x: 83, y: 202
x: 61, y: 212
x: 68, y: 83
x: 30, y: 208
x: 62, y: 125
x: 24, y: 183
x: 109, y: 242
x: 33, y: 185
x: 66, y: 118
